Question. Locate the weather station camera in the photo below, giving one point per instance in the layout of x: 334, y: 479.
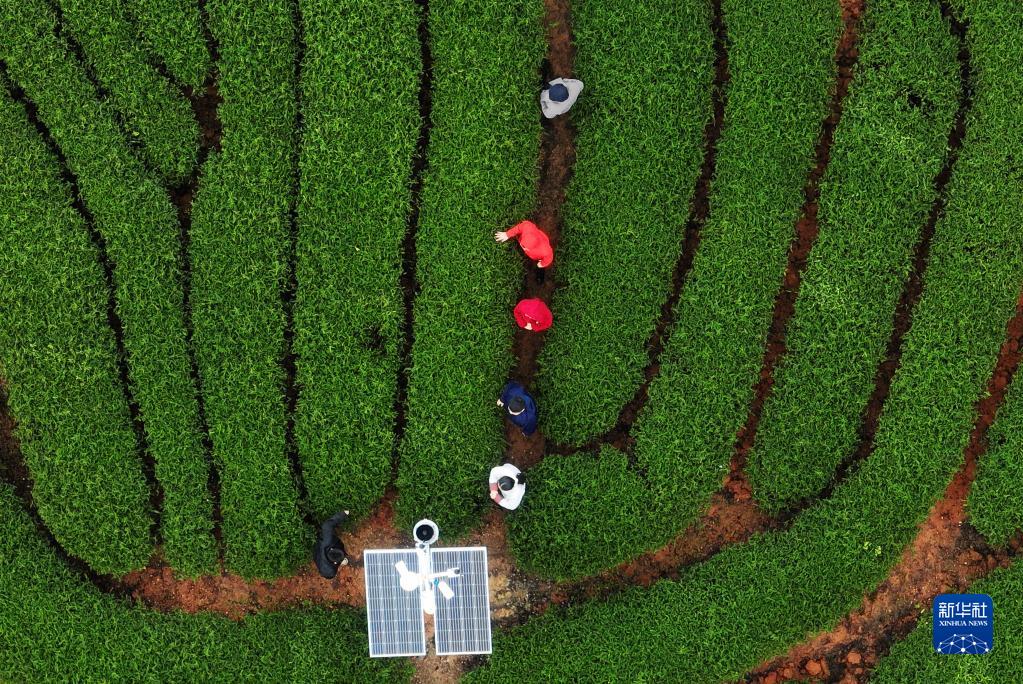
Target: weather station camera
x: 425, y: 532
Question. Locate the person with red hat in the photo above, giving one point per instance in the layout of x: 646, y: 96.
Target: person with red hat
x: 533, y: 241
x: 533, y: 315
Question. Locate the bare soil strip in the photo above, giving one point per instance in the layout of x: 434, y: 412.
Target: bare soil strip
x: 231, y: 595
x: 113, y: 318
x: 407, y: 281
x: 947, y: 555
x: 557, y: 159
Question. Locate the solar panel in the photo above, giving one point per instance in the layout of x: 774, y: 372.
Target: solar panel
x: 395, y: 617
x: 463, y: 622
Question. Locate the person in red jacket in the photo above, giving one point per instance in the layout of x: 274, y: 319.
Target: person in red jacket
x: 533, y: 314
x: 533, y: 241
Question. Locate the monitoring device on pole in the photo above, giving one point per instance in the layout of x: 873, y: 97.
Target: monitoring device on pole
x: 405, y: 585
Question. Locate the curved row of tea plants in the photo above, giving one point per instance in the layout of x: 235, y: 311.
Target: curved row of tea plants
x: 59, y: 360
x: 780, y: 73
x: 173, y: 29
x: 481, y: 177
x: 996, y: 25
x: 621, y: 239
x: 994, y: 504
x: 358, y: 141
x: 763, y: 596
x: 875, y: 198
x: 157, y: 118
x: 239, y: 247
x: 57, y: 627
x: 135, y: 218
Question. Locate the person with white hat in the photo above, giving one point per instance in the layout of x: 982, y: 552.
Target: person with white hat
x: 559, y: 96
x: 507, y: 486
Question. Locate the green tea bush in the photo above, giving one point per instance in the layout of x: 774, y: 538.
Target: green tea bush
x: 360, y: 115
x: 648, y: 71
x: 994, y: 504
x: 139, y: 225
x: 156, y: 116
x: 58, y: 357
x: 781, y: 61
x: 173, y: 30
x: 751, y: 602
x: 593, y: 508
x: 875, y: 197
x: 481, y: 178
x: 56, y: 627
x: 997, y: 170
x: 239, y: 251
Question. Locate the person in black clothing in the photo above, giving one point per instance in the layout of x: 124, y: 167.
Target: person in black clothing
x: 330, y: 552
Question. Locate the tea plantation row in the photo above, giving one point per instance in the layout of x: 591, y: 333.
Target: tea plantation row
x: 621, y: 239
x: 173, y: 30
x: 155, y: 115
x: 353, y: 206
x: 876, y: 197
x: 481, y: 176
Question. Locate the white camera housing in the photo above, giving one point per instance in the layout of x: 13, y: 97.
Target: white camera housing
x: 425, y: 532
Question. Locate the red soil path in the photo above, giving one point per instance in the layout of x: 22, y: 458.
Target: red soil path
x: 231, y: 595
x: 557, y: 158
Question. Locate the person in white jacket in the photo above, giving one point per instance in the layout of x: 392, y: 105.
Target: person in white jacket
x: 559, y: 96
x: 507, y: 486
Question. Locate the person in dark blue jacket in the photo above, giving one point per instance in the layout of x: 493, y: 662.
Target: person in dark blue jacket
x: 519, y: 407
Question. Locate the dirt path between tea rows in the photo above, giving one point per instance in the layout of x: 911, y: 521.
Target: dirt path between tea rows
x: 557, y: 159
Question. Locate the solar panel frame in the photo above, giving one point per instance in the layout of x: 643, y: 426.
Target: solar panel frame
x: 395, y: 616
x: 462, y: 625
